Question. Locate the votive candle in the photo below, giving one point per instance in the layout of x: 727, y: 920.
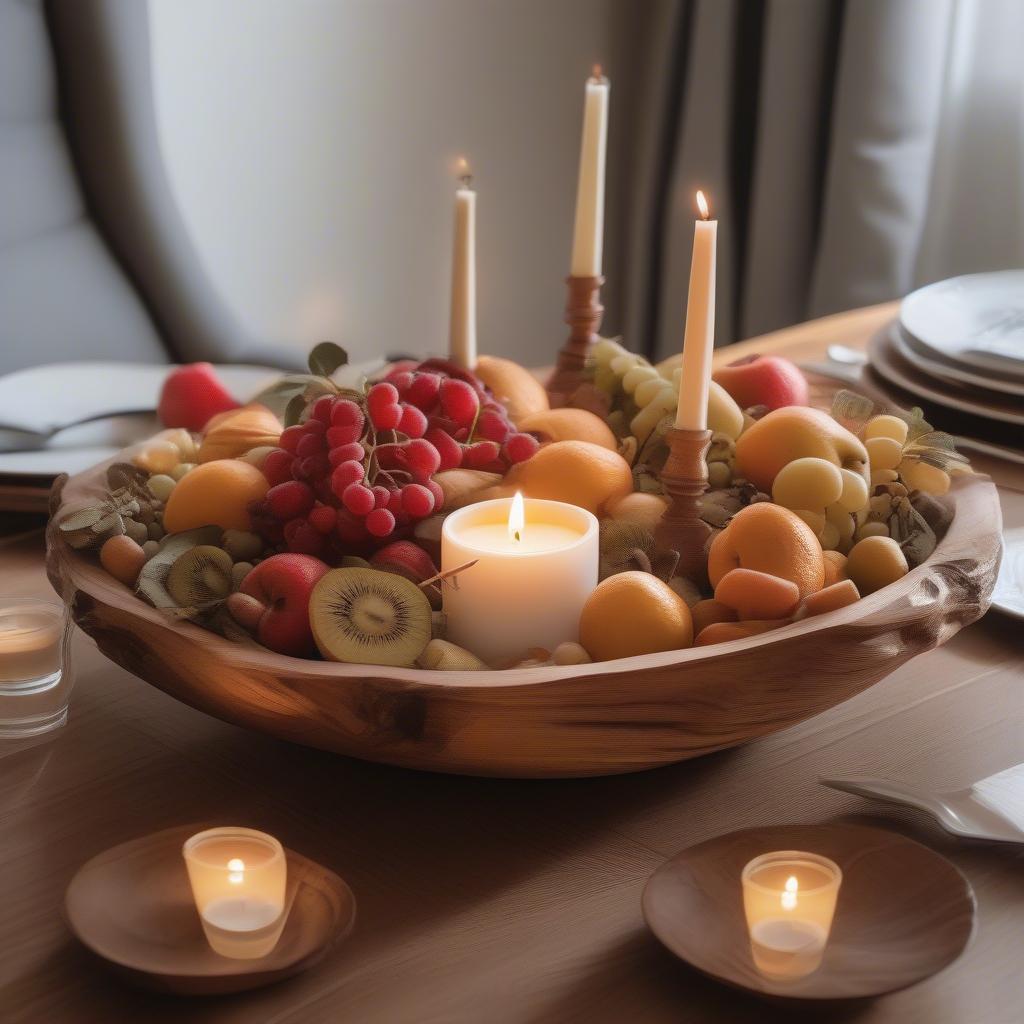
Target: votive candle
x: 789, y: 898
x: 238, y: 878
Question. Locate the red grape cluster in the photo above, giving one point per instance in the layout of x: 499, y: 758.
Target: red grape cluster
x: 360, y: 468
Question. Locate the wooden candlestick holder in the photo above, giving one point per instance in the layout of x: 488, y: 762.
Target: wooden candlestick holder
x: 583, y: 313
x: 685, y: 479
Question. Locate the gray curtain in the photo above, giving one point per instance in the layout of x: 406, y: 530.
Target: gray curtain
x: 814, y: 127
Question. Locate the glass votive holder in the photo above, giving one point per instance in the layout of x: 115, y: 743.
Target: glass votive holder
x: 35, y: 675
x: 238, y: 878
x: 789, y: 898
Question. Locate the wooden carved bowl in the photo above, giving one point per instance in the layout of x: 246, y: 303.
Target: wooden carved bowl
x: 600, y: 719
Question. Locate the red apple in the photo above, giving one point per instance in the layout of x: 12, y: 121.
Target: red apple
x: 191, y: 395
x: 405, y: 558
x: 282, y: 584
x: 763, y: 380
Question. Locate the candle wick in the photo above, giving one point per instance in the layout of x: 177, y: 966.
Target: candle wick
x: 466, y: 180
x: 517, y: 537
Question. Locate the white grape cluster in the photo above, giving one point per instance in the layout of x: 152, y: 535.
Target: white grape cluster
x: 843, y: 506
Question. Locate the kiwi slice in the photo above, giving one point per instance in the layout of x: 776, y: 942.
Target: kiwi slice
x: 200, y: 575
x: 369, y: 617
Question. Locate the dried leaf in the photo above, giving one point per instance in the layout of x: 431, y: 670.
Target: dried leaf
x: 852, y: 410
x: 294, y: 410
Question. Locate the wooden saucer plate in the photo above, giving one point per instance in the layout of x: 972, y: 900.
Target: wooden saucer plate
x: 132, y: 907
x: 903, y: 912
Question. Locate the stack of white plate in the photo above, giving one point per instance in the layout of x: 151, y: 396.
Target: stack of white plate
x: 959, y: 344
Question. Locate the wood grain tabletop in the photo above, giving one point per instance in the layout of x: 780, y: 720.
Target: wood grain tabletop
x: 499, y: 900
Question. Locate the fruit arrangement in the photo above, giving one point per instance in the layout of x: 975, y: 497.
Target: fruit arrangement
x: 308, y: 521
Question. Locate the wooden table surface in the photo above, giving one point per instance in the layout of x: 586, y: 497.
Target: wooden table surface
x: 500, y: 900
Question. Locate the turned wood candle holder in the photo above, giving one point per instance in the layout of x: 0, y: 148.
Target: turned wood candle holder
x: 583, y: 313
x: 685, y: 479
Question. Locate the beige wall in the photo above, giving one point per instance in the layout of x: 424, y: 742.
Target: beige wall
x: 310, y: 144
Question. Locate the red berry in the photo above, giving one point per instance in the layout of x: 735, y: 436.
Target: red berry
x: 420, y: 457
x: 395, y: 503
x: 310, y: 444
x: 479, y: 454
x: 448, y: 449
x: 315, y: 427
x: 323, y: 518
x: 437, y: 491
x: 380, y: 522
x: 380, y: 397
x: 520, y: 447
x: 290, y: 437
x: 345, y: 475
x: 290, y: 499
x: 423, y: 390
x: 413, y: 422
x: 387, y: 417
x: 417, y: 501
x: 492, y: 426
x: 350, y: 528
x: 381, y: 495
x: 277, y: 466
x: 347, y: 413
x: 302, y: 538
x: 322, y: 409
x: 401, y: 381
x: 459, y: 401
x: 314, y: 467
x: 353, y: 451
x: 348, y: 434
x: 358, y: 499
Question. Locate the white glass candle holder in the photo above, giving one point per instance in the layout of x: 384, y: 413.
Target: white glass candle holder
x: 789, y: 898
x: 238, y: 878
x: 35, y: 672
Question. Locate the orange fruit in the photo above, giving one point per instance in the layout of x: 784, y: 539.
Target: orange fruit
x: 770, y: 539
x: 704, y: 613
x: 757, y: 595
x: 568, y: 425
x: 231, y: 434
x: 576, y: 472
x: 513, y: 385
x: 634, y: 613
x: 722, y: 632
x: 839, y: 595
x: 835, y: 567
x: 639, y: 508
x: 215, y: 494
x: 795, y: 432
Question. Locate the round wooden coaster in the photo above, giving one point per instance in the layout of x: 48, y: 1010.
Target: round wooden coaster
x: 903, y: 912
x: 132, y: 906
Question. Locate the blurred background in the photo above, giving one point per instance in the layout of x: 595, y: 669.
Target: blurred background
x: 237, y: 179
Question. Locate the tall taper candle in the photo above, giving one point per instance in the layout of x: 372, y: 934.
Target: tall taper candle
x: 588, y: 238
x: 462, y: 327
x: 699, y: 338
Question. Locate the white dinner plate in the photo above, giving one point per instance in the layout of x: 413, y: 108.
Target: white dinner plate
x: 1008, y: 595
x: 893, y: 368
x: 976, y: 320
x: 946, y: 370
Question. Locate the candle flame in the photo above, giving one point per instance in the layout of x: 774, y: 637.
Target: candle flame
x: 236, y: 869
x: 788, y: 898
x: 516, y: 517
x: 702, y: 205
x: 462, y: 172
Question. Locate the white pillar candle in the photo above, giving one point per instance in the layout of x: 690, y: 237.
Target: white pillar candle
x: 536, y: 567
x: 462, y: 325
x: 789, y: 900
x: 588, y: 236
x: 699, y: 338
x: 238, y: 878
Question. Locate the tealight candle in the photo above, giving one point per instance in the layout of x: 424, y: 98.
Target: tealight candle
x: 789, y: 898
x: 536, y: 565
x: 238, y: 878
